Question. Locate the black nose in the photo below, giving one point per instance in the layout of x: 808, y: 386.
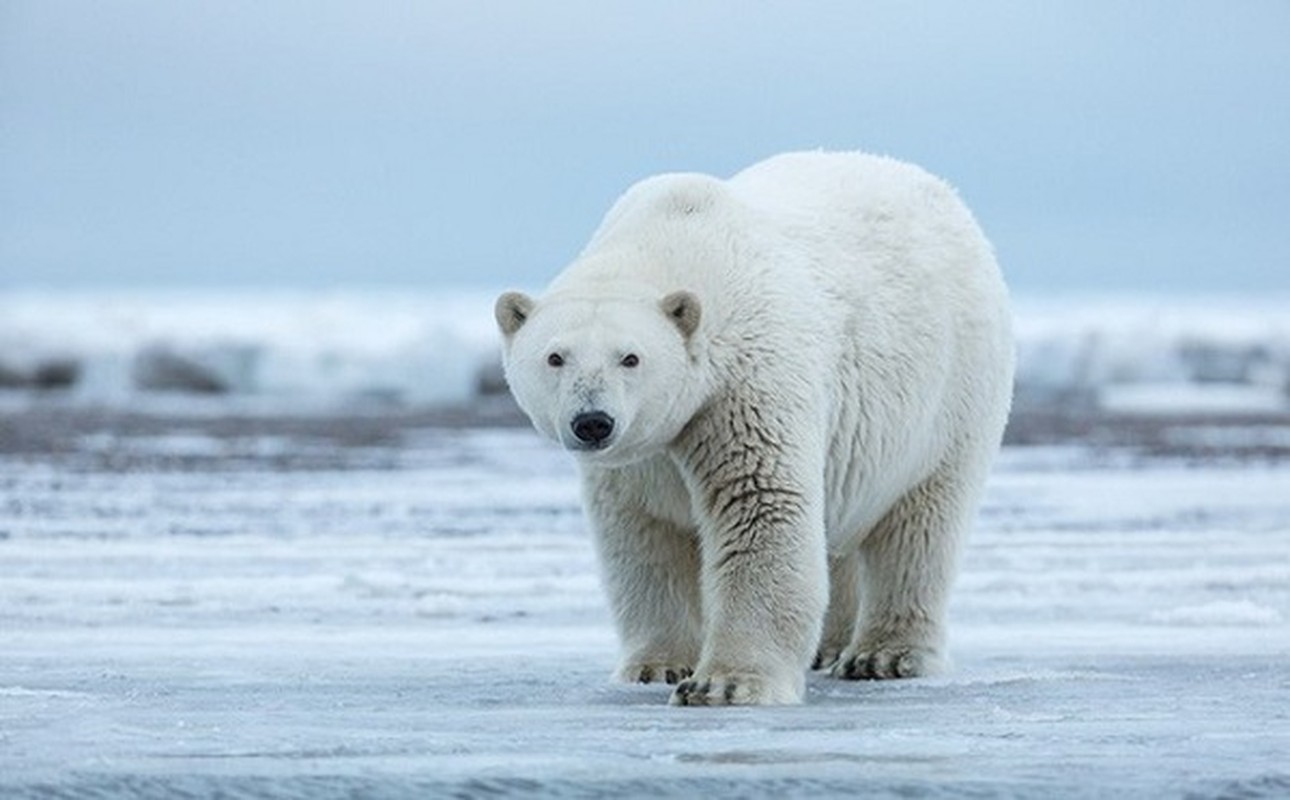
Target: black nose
x: 593, y: 427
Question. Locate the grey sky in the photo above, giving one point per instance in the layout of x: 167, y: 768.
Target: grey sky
x: 1103, y: 145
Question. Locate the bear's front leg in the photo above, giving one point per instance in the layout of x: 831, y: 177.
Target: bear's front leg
x: 758, y: 495
x: 650, y: 568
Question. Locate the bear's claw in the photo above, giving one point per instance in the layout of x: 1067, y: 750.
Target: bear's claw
x: 735, y: 689
x: 826, y: 658
x: 653, y: 672
x: 671, y: 675
x: 885, y: 663
x: 705, y: 693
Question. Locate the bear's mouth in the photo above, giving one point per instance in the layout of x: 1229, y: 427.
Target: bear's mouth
x: 576, y: 446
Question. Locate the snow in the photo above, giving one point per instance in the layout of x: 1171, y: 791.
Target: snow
x: 423, y: 618
x: 299, y: 350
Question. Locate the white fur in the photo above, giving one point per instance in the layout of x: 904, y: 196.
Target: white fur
x: 829, y: 422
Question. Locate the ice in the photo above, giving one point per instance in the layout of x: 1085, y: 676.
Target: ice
x: 1180, y: 397
x: 414, y: 349
x: 1151, y: 354
x: 185, y: 613
x: 417, y: 349
x: 1221, y: 612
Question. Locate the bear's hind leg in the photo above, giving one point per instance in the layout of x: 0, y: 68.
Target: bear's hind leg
x: 908, y: 565
x: 844, y: 607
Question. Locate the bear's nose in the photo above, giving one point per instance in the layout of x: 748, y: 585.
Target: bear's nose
x: 593, y: 427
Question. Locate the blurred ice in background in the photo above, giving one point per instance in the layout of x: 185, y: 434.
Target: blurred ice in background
x: 282, y: 351
x: 307, y: 203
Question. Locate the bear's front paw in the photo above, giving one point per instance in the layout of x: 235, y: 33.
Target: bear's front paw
x: 880, y: 663
x: 735, y: 689
x: 654, y: 672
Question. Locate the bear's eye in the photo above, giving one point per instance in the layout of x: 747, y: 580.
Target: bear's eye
x: 630, y: 360
x: 555, y: 360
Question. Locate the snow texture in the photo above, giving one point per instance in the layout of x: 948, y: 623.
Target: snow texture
x: 299, y: 349
x: 422, y: 618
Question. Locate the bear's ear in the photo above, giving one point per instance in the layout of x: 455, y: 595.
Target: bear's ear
x: 683, y: 309
x: 512, y: 310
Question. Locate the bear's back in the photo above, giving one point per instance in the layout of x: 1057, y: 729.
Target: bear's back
x: 659, y: 202
x: 850, y: 186
x: 871, y: 222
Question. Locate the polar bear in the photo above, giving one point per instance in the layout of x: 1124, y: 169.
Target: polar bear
x: 784, y: 391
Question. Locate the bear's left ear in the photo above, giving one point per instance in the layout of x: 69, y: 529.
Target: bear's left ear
x: 683, y: 309
x: 512, y: 310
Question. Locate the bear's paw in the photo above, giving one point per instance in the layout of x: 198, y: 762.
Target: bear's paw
x: 654, y: 671
x: 881, y: 663
x: 735, y: 689
x: 827, y: 656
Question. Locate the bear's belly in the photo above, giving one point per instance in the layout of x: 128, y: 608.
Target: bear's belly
x: 866, y: 474
x: 850, y: 515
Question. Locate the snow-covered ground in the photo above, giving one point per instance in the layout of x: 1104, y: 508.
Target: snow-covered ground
x: 192, y: 613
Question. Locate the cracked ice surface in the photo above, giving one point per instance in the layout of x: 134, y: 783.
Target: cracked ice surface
x: 424, y: 618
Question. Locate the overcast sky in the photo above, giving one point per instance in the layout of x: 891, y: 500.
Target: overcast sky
x: 1102, y: 145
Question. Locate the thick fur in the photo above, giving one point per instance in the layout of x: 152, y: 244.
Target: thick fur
x: 820, y: 371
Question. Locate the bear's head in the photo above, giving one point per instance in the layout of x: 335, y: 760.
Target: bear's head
x: 610, y: 378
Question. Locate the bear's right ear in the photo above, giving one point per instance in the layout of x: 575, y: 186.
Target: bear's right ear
x: 512, y: 310
x: 683, y: 309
